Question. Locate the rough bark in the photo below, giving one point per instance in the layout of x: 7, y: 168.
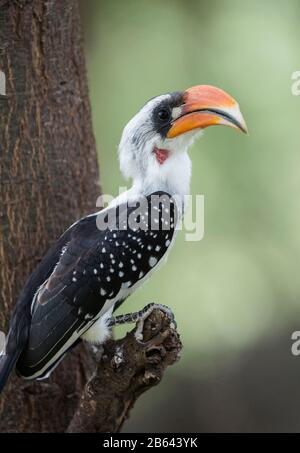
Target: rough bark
x: 48, y: 178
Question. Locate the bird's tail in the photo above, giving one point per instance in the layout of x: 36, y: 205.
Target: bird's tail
x: 15, y: 341
x: 7, y: 363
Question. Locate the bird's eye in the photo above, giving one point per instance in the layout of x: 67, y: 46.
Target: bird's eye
x: 164, y: 114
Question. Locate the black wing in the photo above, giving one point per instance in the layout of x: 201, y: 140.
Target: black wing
x: 93, y: 268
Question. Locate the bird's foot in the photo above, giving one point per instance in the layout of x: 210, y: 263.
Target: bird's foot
x: 146, y: 311
x: 140, y: 316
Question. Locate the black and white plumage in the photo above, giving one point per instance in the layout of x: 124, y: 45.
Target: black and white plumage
x: 100, y: 260
x: 96, y: 271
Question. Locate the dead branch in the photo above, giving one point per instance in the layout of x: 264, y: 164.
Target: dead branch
x: 126, y: 369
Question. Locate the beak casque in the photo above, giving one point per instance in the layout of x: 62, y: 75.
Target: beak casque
x: 205, y: 106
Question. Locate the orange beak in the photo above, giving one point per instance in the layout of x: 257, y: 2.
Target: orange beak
x: 205, y: 106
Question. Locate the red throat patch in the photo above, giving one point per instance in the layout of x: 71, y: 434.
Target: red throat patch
x: 161, y: 155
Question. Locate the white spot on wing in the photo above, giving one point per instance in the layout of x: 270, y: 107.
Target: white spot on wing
x: 152, y: 261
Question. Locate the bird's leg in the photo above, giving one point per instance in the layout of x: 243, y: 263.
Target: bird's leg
x: 140, y: 317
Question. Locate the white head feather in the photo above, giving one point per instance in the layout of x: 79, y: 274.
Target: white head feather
x: 138, y: 162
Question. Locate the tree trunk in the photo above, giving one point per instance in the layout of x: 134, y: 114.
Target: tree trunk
x: 48, y: 179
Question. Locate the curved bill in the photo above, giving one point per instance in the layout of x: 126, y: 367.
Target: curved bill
x: 205, y: 106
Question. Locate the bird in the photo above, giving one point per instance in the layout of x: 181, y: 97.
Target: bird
x: 101, y: 259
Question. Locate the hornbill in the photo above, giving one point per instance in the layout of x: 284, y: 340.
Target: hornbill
x: 102, y: 258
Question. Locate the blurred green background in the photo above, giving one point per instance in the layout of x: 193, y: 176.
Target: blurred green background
x: 236, y: 293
